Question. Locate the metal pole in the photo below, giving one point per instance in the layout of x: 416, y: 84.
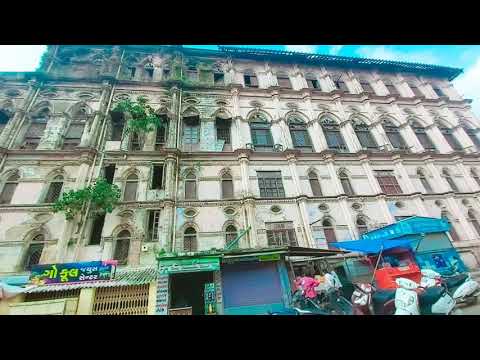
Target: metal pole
x: 376, y: 265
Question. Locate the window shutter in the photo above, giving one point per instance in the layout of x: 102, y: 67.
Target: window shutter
x: 190, y: 190
x: 130, y: 191
x: 227, y: 189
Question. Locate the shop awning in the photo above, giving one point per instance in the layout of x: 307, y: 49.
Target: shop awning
x: 373, y: 246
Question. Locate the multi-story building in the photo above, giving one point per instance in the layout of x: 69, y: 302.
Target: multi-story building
x: 304, y: 149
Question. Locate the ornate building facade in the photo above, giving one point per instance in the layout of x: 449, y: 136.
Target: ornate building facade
x: 302, y: 149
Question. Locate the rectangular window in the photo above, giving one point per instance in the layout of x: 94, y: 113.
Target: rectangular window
x: 223, y: 133
x: 227, y: 189
x: 281, y: 234
x: 157, y: 177
x: 218, y: 78
x: 251, y: 81
x: 73, y: 136
x: 160, y: 137
x: 474, y: 138
x: 110, y: 173
x: 366, y: 139
x: 153, y: 221
x: 262, y: 138
x: 426, y: 185
x: 397, y: 140
x: 367, y: 87
x: 340, y: 85
x: 7, y: 193
x: 97, y: 228
x: 190, y: 190
x: 133, y: 70
x: 191, y: 135
x: 130, y: 191
x: 270, y: 184
x: 452, y: 141
x: 347, y: 187
x: 425, y: 141
x: 388, y: 183
x: 34, y: 135
x: 391, y: 88
x: 284, y: 82
x: 335, y: 141
x: 438, y: 91
x: 313, y: 84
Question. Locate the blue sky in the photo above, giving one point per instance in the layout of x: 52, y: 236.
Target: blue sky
x: 26, y: 58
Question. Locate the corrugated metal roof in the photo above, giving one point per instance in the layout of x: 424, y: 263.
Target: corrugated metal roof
x: 123, y: 277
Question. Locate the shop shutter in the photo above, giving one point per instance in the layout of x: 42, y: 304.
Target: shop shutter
x: 251, y: 284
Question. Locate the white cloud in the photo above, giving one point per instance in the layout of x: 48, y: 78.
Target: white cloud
x: 468, y: 85
x: 302, y: 48
x: 20, y: 57
x: 387, y: 53
x: 335, y: 49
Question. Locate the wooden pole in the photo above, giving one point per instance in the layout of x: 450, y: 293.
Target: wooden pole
x: 376, y: 265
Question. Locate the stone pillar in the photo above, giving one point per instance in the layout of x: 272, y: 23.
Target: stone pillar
x: 152, y: 298
x: 173, y: 121
x: 207, y: 134
x: 91, y: 134
x: 167, y: 232
x: 437, y: 138
x: 439, y: 184
x: 292, y: 164
x: 287, y: 138
x: 318, y: 137
x: 410, y: 138
x: 349, y: 134
x: 53, y: 132
x: 308, y: 235
x: 380, y: 135
x: 326, y: 82
x: 407, y: 187
x: 329, y: 161
x: 420, y: 205
x: 170, y: 180
x: 85, y: 301
x: 464, y: 139
x: 367, y: 168
x: 343, y: 202
x: 251, y: 218
x: 471, y: 183
x: 467, y: 232
x: 9, y: 127
x: 238, y: 142
x: 243, y: 160
x: 383, y: 209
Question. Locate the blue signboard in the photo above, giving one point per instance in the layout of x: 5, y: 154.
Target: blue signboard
x: 71, y: 272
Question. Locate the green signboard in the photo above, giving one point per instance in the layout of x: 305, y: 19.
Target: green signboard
x: 265, y: 257
x: 172, y: 266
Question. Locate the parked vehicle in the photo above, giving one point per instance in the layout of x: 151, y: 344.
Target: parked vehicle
x: 368, y: 300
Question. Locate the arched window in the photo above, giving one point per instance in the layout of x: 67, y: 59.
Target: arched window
x: 73, y: 136
x: 361, y: 226
x: 422, y: 136
x: 34, y: 252
x: 36, y: 129
x: 475, y: 176
x: 223, y: 132
x: 190, y: 240
x: 227, y: 186
x: 122, y: 247
x: 54, y: 189
x: 449, y: 180
x: 230, y: 234
x: 190, y: 186
x: 329, y: 232
x: 161, y: 133
x: 366, y: 86
x: 472, y: 134
x: 364, y: 135
x: 131, y: 186
x: 191, y: 133
x: 390, y: 87
x: 394, y: 136
x: 314, y: 184
x: 416, y: 91
x: 333, y: 135
x: 451, y: 139
x: 9, y: 189
x: 347, y: 187
x: 473, y: 219
x: 299, y: 134
x: 424, y: 181
x: 261, y: 136
x: 452, y: 231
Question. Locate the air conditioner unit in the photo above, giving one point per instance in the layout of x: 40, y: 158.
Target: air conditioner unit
x: 144, y: 248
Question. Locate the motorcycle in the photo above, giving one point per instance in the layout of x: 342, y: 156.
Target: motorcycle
x: 367, y: 300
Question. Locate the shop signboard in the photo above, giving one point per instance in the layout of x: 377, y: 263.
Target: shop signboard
x: 210, y: 299
x: 162, y: 295
x: 261, y: 258
x: 71, y: 272
x: 172, y: 266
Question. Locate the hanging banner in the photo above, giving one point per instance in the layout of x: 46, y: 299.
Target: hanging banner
x: 210, y: 299
x: 71, y: 272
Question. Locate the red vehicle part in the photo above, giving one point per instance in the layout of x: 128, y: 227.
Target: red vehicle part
x: 386, y: 274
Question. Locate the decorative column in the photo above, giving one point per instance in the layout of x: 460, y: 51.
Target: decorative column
x: 173, y: 119
x: 367, y: 168
x: 464, y: 139
x: 439, y: 184
x: 170, y: 169
x: 379, y: 134
x: 437, y: 138
x: 326, y: 83
x: 410, y: 137
x: 317, y: 136
x: 352, y: 141
x: 471, y: 183
x: 329, y: 161
x: 91, y: 134
x: 237, y: 140
x: 207, y: 134
x: 166, y: 220
x: 383, y: 209
x: 467, y: 232
x: 251, y: 219
x: 243, y: 160
x: 301, y: 201
x: 343, y: 202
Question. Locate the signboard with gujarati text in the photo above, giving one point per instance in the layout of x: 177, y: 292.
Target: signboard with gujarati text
x: 172, y: 266
x: 70, y: 272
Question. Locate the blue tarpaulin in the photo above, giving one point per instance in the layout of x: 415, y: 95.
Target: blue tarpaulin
x: 373, y: 246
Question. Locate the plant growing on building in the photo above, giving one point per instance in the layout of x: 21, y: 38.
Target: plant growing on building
x: 143, y: 118
x: 103, y: 197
